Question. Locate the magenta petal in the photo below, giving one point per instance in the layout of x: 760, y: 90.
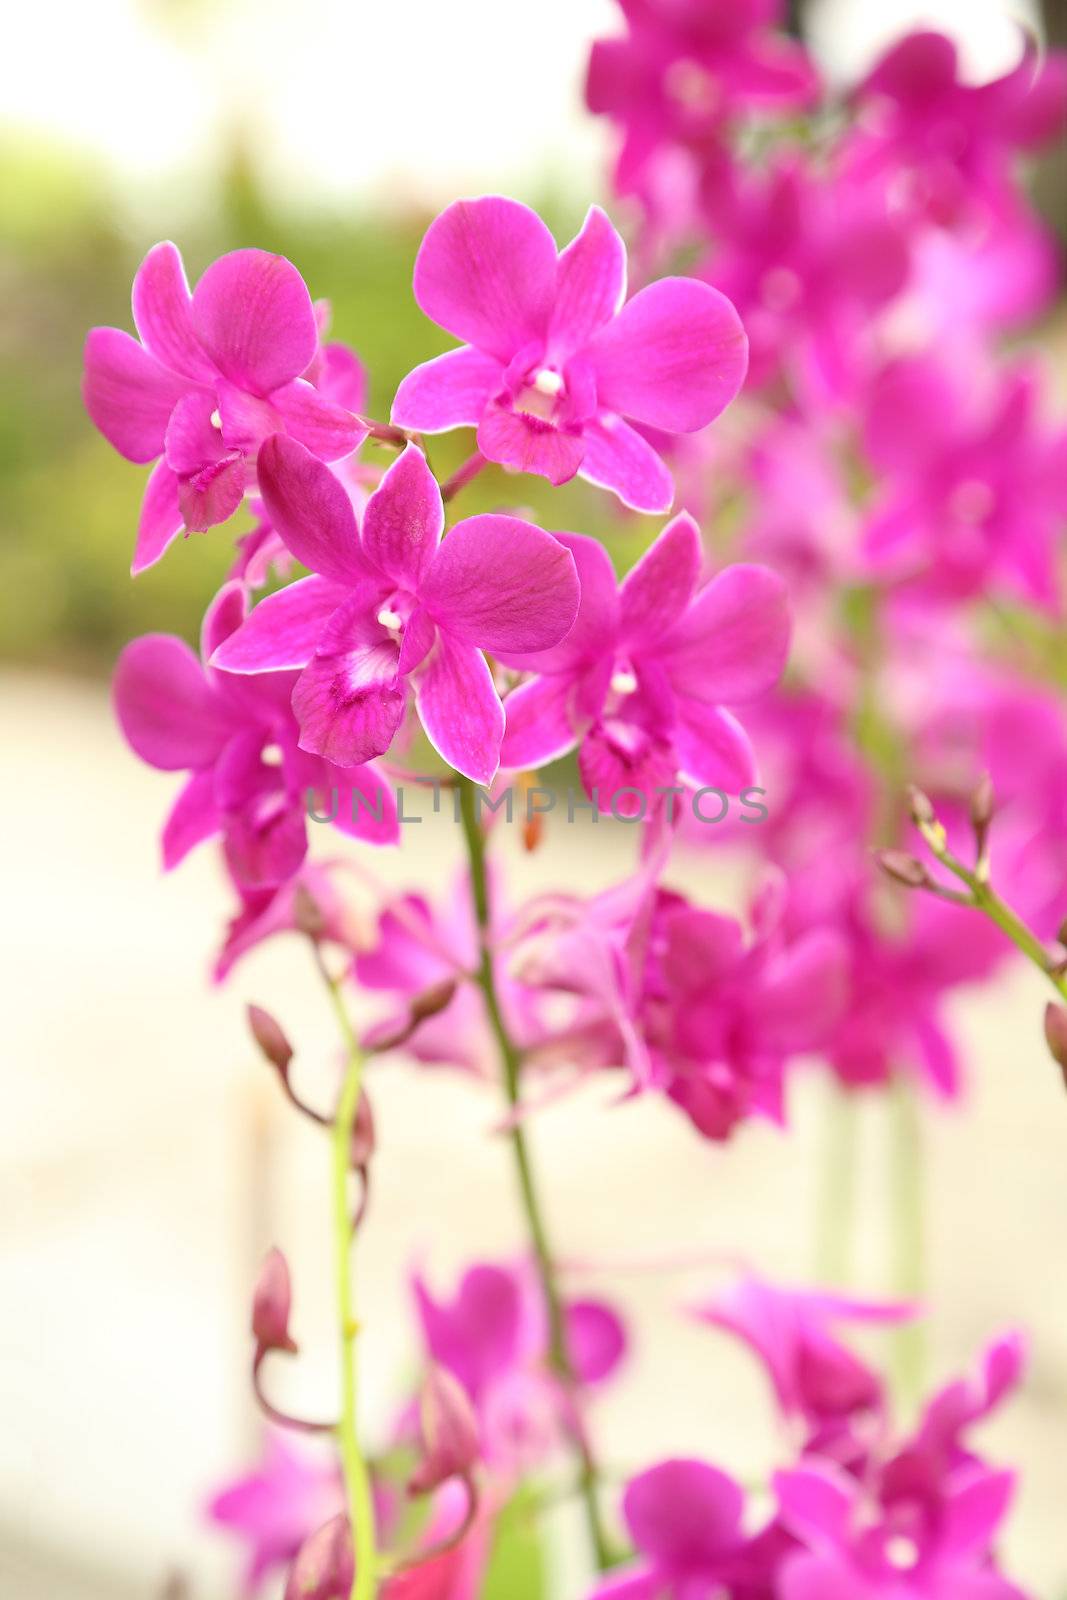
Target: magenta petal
x: 460, y: 709
x: 451, y: 391
x: 595, y: 626
x: 356, y: 784
x: 253, y: 315
x: 816, y: 1503
x: 618, y: 458
x: 733, y: 641
x: 420, y: 632
x: 502, y: 584
x: 596, y: 1340
x: 673, y: 358
x: 327, y: 429
x: 162, y: 312
x: 193, y: 818
x: 404, y: 520
x: 349, y: 705
x: 192, y: 441
x: 283, y: 630
x: 165, y: 706
x: 976, y: 1507
x: 807, y: 1577
x: 529, y: 444
x: 540, y: 722
x: 212, y: 494
x: 161, y: 518
x: 683, y: 1513
x: 128, y: 394
x: 310, y: 510
x: 590, y: 285
x: 486, y: 271
x: 713, y: 749
x: 657, y: 590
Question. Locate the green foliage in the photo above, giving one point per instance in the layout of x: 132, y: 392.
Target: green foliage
x: 517, y: 1566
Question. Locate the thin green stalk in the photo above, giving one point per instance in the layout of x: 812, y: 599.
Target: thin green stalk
x: 837, y: 1188
x: 908, y: 1245
x: 985, y: 899
x: 511, y: 1065
x: 358, y: 1491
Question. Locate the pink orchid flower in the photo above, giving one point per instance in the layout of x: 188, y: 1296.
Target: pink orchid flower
x: 815, y: 1376
x: 398, y: 603
x: 553, y: 361
x: 237, y: 739
x: 685, y: 1519
x: 214, y: 373
x: 951, y: 140
x: 860, y: 1551
x: 974, y: 491
x: 264, y: 913
x: 492, y: 1336
x: 641, y: 680
x: 275, y: 1507
x: 686, y: 68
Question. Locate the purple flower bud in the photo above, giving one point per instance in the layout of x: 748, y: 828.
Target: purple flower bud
x: 324, y: 1568
x: 271, y: 1304
x: 903, y: 868
x: 449, y: 1432
x: 982, y: 805
x: 363, y: 1135
x: 270, y: 1038
x: 308, y: 915
x: 920, y: 805
x: 1056, y: 1034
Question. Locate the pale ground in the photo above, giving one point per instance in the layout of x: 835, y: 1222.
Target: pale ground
x: 147, y: 1162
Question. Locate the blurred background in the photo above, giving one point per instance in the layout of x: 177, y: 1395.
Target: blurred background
x: 146, y: 1162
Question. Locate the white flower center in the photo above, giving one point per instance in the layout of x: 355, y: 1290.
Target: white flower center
x: 548, y: 382
x: 390, y: 618
x: 901, y: 1552
x: 216, y: 420
x: 623, y: 681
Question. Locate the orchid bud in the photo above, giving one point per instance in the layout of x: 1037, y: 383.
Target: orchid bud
x: 271, y: 1304
x: 308, y: 915
x: 1056, y: 1034
x: 903, y: 868
x: 270, y: 1038
x: 982, y: 804
x: 427, y: 1004
x: 449, y: 1432
x: 324, y: 1568
x: 363, y: 1136
x: 920, y: 806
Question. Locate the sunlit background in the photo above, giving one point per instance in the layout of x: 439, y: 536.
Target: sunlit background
x: 146, y: 1164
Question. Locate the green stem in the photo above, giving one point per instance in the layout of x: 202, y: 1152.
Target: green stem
x: 837, y: 1188
x: 356, y: 1472
x: 906, y: 1169
x: 511, y: 1064
x: 985, y: 899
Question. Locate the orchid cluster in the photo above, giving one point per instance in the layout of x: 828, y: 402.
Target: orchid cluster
x: 847, y: 609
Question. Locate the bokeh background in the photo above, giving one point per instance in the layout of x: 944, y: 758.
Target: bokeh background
x: 146, y: 1163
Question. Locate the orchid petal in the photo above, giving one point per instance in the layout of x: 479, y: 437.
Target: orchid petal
x: 502, y: 584
x: 683, y: 1512
x: 529, y: 444
x: 590, y: 285
x: 713, y: 749
x: 330, y: 431
x: 618, y: 458
x: 656, y: 591
x: 404, y: 520
x: 347, y: 699
x: 161, y: 518
x: 283, y: 630
x: 451, y: 391
x: 460, y: 709
x: 733, y: 641
x: 212, y: 494
x: 596, y: 625
x: 674, y: 357
x: 253, y: 315
x: 163, y: 315
x: 165, y: 706
x: 310, y: 510
x: 193, y: 818
x: 486, y: 271
x: 128, y: 394
x: 540, y: 724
